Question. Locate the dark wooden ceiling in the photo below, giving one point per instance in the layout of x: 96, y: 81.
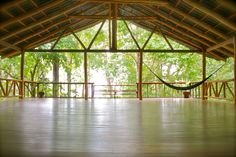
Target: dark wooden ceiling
x: 199, y: 24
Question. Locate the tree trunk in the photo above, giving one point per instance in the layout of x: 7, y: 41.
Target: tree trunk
x: 56, y: 77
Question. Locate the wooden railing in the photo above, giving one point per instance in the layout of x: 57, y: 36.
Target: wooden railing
x: 115, y: 91
x: 214, y: 89
x: 77, y: 89
x: 223, y: 89
x: 11, y: 88
x: 160, y: 90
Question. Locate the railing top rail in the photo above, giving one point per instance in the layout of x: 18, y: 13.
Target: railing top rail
x: 116, y: 85
x: 63, y: 83
x: 163, y: 83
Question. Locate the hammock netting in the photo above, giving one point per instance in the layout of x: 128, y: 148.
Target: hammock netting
x: 187, y: 87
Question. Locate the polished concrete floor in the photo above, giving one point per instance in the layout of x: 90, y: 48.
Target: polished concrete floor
x: 117, y: 128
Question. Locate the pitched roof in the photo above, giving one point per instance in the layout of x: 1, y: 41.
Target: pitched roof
x: 198, y: 24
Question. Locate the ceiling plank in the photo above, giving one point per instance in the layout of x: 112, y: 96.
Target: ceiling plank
x: 30, y: 13
x: 211, y: 13
x: 222, y: 44
x: 187, y: 27
x: 9, y: 4
x: 6, y: 44
x: 47, y: 28
x: 197, y: 21
x: 43, y: 20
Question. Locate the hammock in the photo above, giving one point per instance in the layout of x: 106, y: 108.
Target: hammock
x: 184, y: 88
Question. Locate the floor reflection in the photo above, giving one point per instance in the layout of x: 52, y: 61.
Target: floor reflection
x: 156, y: 126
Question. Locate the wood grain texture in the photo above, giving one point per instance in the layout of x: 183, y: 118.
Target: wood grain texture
x: 117, y: 128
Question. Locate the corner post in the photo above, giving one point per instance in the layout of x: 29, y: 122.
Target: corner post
x: 22, y: 94
x: 203, y: 73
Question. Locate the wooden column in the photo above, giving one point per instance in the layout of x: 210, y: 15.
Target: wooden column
x: 203, y: 73
x: 140, y: 76
x: 86, y: 75
x: 234, y: 70
x: 114, y: 26
x: 21, y: 92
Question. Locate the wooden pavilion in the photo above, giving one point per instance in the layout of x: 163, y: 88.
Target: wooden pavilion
x: 205, y: 27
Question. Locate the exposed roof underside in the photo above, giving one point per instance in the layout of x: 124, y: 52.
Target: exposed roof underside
x: 199, y: 24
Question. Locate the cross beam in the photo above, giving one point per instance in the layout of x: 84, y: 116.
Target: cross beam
x: 113, y: 51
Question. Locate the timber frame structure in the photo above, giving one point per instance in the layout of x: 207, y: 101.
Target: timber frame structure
x: 206, y: 27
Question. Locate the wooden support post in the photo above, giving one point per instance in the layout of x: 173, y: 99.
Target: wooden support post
x: 203, y: 73
x: 114, y: 27
x: 234, y: 70
x: 86, y: 75
x: 22, y: 74
x: 140, y: 76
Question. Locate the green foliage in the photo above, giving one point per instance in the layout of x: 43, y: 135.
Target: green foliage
x: 118, y: 68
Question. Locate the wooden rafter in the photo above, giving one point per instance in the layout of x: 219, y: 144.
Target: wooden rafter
x: 153, y: 2
x: 148, y: 39
x: 30, y: 13
x: 78, y: 39
x: 130, y: 32
x: 104, y: 17
x: 107, y: 50
x: 95, y: 36
x: 6, y: 44
x: 50, y: 38
x: 186, y: 27
x: 43, y: 20
x: 211, y: 13
x: 9, y: 4
x: 167, y: 41
x: 197, y: 21
x: 58, y: 39
x: 184, y: 38
x: 222, y: 44
x: 54, y: 24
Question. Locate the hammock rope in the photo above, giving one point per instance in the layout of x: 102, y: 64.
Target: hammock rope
x: 187, y: 87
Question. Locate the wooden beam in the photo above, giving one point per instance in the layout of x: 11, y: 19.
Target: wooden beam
x: 186, y: 27
x: 51, y: 37
x: 9, y: 4
x: 115, y: 51
x: 148, y: 39
x: 203, y: 74
x: 30, y: 13
x: 130, y: 32
x: 222, y: 44
x: 58, y: 39
x: 22, y: 75
x: 167, y: 41
x: 8, y: 45
x: 228, y: 4
x: 48, y: 27
x: 211, y: 13
x: 43, y: 20
x: 104, y: 17
x: 109, y: 25
x: 86, y: 75
x: 152, y: 2
x: 234, y: 69
x: 114, y: 26
x: 197, y: 21
x: 140, y: 76
x: 78, y: 39
x: 95, y: 36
